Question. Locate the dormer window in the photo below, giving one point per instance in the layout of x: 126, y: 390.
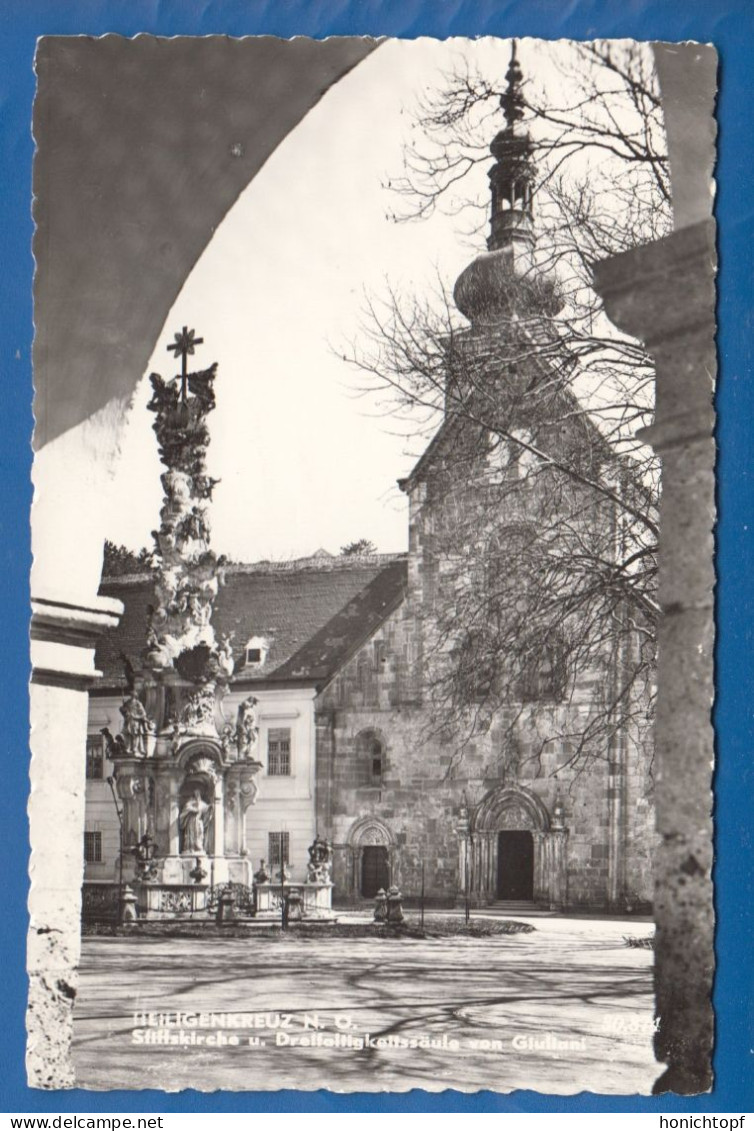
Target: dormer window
x: 256, y: 651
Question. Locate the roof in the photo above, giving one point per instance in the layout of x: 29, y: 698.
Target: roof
x: 327, y: 651
x: 549, y: 354
x: 315, y: 612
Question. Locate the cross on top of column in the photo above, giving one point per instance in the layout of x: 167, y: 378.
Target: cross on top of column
x: 182, y: 346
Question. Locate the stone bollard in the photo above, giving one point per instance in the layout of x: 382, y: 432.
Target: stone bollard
x: 394, y: 908
x: 380, y: 906
x: 127, y: 907
x: 295, y: 906
x: 225, y: 909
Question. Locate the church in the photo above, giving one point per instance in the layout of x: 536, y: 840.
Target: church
x: 424, y: 713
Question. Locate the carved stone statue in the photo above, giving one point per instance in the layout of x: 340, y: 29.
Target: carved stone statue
x: 193, y: 823
x: 246, y: 726
x: 135, y: 725
x: 144, y: 853
x: 186, y: 576
x: 225, y: 655
x: 226, y: 738
x: 319, y: 868
x: 199, y: 710
x: 116, y: 746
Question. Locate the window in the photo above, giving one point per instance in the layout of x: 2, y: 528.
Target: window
x: 95, y: 758
x: 255, y: 652
x: 374, y: 749
x: 544, y: 675
x: 476, y: 664
x: 279, y: 752
x: 371, y: 759
x: 508, y: 553
x: 93, y: 847
x: 278, y: 849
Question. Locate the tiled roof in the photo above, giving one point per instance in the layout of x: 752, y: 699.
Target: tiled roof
x: 314, y: 611
x: 329, y: 648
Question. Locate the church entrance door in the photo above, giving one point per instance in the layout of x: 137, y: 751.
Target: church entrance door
x: 375, y: 873
x: 515, y: 865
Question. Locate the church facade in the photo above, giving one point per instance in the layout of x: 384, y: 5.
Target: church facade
x: 376, y: 701
x: 348, y: 753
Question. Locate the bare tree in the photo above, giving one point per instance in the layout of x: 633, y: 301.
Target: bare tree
x: 604, y: 126
x: 546, y: 534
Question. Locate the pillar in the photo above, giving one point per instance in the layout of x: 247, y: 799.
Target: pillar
x: 556, y: 842
x: 218, y: 848
x: 173, y: 826
x: 541, y: 887
x: 63, y: 636
x: 240, y: 811
x: 663, y: 294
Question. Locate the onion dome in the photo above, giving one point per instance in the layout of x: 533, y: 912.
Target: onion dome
x: 502, y: 280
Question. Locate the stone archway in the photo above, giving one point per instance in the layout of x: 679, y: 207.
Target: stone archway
x: 515, y: 820
x: 371, y: 849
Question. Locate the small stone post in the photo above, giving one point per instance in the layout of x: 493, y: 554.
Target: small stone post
x: 394, y: 906
x: 127, y: 910
x: 295, y: 908
x: 380, y: 906
x: 225, y: 909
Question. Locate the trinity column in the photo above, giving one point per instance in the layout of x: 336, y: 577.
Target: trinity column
x: 184, y: 769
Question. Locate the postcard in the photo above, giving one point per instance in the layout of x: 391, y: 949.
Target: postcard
x: 372, y: 585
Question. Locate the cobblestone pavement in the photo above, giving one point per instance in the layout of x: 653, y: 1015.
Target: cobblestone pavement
x: 567, y: 1008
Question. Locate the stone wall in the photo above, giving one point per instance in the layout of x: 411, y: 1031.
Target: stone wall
x: 430, y: 774
x: 418, y: 798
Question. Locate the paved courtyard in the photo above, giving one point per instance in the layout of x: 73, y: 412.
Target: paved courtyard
x: 564, y: 1009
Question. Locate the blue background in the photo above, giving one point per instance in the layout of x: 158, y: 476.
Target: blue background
x: 729, y: 24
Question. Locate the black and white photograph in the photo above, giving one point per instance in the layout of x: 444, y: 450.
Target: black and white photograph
x: 373, y: 570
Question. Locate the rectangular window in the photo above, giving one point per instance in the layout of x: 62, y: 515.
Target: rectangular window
x: 93, y: 847
x: 95, y: 756
x: 278, y: 848
x: 279, y: 752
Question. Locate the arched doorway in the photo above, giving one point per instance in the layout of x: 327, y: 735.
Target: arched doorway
x: 515, y: 865
x: 371, y: 844
x: 375, y: 870
x: 516, y: 855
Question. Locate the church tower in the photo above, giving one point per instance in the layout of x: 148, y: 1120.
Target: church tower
x: 504, y: 281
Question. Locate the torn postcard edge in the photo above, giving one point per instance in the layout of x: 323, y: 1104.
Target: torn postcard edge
x: 371, y: 794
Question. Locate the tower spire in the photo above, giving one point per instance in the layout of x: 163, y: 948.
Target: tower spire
x: 498, y: 282
x: 513, y: 174
x: 512, y: 100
